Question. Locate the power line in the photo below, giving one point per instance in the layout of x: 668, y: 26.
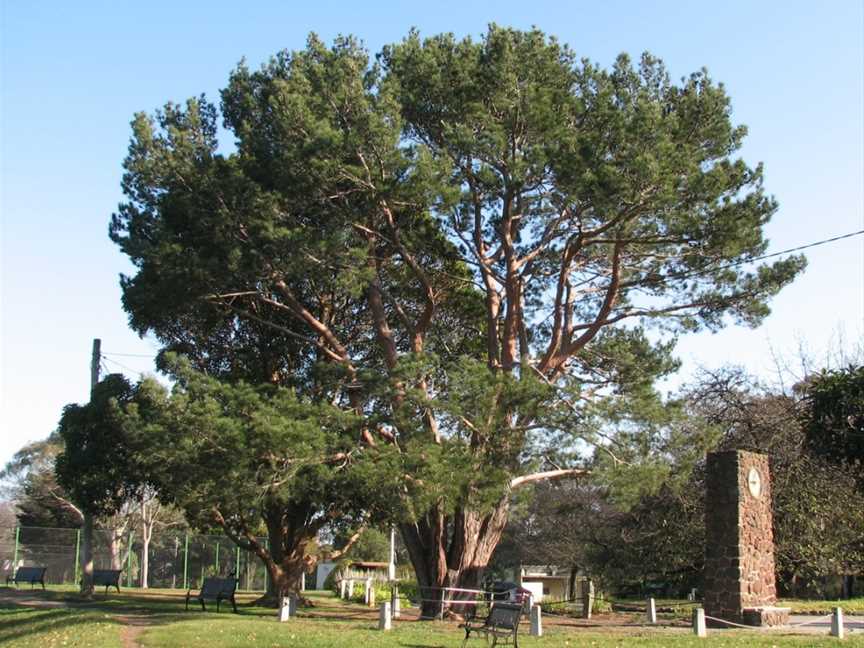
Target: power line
x: 732, y: 264
x: 696, y: 273
x: 129, y: 355
x: 122, y: 366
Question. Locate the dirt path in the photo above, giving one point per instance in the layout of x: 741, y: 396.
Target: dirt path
x: 133, y: 626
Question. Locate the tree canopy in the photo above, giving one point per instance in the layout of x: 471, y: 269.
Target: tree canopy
x: 98, y: 466
x: 252, y: 460
x: 834, y: 416
x: 464, y: 243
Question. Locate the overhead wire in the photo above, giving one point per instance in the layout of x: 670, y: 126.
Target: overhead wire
x: 122, y: 366
x: 129, y: 355
x: 694, y: 273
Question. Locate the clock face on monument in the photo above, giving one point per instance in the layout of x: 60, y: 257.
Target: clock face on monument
x: 754, y: 482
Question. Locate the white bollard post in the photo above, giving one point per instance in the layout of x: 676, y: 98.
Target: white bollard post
x: 288, y: 608
x: 699, y: 622
x: 350, y: 591
x: 837, y: 623
x: 342, y: 585
x: 303, y: 581
x: 395, y: 605
x: 369, y: 593
x: 384, y: 622
x: 536, y: 621
x: 652, y: 611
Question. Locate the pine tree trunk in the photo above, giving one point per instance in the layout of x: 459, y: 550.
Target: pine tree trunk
x: 284, y: 580
x: 286, y: 557
x: 452, y: 553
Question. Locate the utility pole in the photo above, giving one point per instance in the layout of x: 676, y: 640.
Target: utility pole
x: 87, y: 535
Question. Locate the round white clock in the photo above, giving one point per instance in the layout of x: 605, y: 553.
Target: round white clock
x: 754, y: 482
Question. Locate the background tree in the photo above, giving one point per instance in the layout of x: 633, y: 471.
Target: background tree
x: 483, y: 222
x: 30, y: 482
x: 252, y: 460
x: 98, y: 467
x: 659, y: 536
x: 834, y: 416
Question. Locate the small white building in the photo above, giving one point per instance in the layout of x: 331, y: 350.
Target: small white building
x: 322, y: 571
x: 550, y: 582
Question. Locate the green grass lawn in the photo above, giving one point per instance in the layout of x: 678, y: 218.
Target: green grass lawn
x: 163, y: 623
x: 850, y: 606
x: 53, y: 628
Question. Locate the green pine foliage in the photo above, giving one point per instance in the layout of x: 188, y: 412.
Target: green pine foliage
x: 478, y: 249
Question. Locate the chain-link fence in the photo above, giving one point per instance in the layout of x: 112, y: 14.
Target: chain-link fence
x: 174, y: 560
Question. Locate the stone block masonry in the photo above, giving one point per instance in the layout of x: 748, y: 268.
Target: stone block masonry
x: 740, y: 583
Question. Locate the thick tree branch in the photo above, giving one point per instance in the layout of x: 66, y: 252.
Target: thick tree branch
x: 562, y: 473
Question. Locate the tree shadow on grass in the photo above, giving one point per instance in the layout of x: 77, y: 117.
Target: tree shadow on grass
x: 35, y: 622
x: 45, y: 621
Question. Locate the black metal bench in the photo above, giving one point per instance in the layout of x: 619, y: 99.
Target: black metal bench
x: 107, y: 577
x: 30, y: 575
x: 501, y: 623
x: 215, y: 589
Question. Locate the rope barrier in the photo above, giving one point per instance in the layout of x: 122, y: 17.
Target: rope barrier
x: 790, y: 625
x: 737, y: 625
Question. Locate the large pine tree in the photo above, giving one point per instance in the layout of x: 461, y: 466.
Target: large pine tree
x: 464, y: 244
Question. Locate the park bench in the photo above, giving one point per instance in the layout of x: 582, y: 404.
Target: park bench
x: 30, y: 575
x: 501, y: 623
x: 107, y: 577
x: 215, y: 589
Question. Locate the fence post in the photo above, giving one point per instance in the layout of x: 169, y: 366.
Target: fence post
x: 77, y: 553
x: 384, y: 621
x: 288, y: 608
x: 588, y: 599
x: 441, y: 611
x: 216, y: 560
x: 699, y: 622
x: 652, y: 611
x: 237, y: 567
x: 186, y: 561
x: 837, y: 623
x: 536, y: 621
x: 129, y: 560
x: 15, y: 555
x: 266, y: 573
x: 395, y: 605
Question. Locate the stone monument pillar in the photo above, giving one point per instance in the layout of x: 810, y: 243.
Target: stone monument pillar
x: 740, y: 582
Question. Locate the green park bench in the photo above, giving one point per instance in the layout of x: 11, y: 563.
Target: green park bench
x: 501, y: 623
x: 30, y: 575
x: 107, y: 577
x: 215, y: 589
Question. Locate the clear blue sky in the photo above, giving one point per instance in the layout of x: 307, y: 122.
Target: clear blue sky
x: 73, y: 73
